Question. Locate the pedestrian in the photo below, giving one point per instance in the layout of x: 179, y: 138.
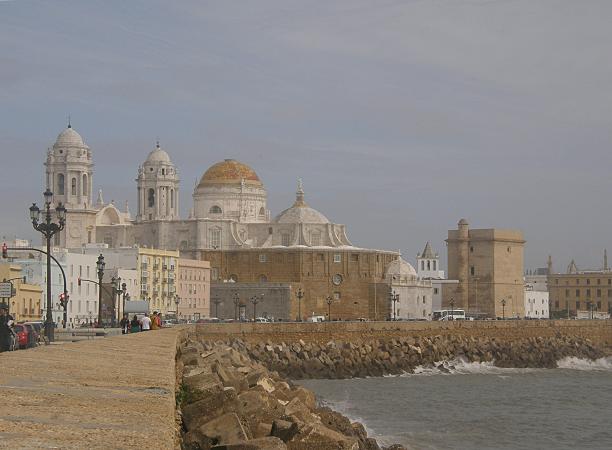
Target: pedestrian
x: 6, y: 322
x: 135, y: 325
x: 154, y: 322
x: 125, y: 324
x: 145, y: 323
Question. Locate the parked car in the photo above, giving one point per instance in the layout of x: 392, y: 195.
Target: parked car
x: 39, y: 327
x: 22, y: 335
x: 32, y: 334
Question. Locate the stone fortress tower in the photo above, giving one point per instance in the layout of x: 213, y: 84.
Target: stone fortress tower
x: 488, y: 264
x: 158, y: 188
x: 69, y: 175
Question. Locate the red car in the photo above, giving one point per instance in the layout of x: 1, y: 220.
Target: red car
x: 32, y: 334
x: 23, y: 336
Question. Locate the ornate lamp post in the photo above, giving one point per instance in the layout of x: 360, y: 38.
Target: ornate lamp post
x: 236, y: 298
x: 100, y: 266
x: 48, y: 229
x: 503, y: 303
x: 329, y: 301
x: 395, y: 298
x: 126, y: 297
x: 177, y: 301
x: 116, y: 283
x: 255, y: 300
x: 299, y: 295
x: 452, y: 305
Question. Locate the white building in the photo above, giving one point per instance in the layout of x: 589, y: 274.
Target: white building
x: 536, y: 303
x: 415, y: 295
x: 428, y: 267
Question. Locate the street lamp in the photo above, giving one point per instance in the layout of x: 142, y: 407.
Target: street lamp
x: 126, y: 297
x: 236, y: 298
x: 100, y: 266
x: 217, y: 301
x: 177, y: 301
x: 329, y: 301
x: 48, y: 229
x: 299, y: 295
x: 255, y: 300
x: 452, y: 305
x: 115, y: 284
x: 503, y: 303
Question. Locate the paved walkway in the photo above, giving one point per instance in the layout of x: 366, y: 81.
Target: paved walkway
x: 110, y: 393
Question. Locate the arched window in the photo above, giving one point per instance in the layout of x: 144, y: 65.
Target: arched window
x: 428, y: 265
x: 434, y: 265
x: 60, y: 184
x: 85, y: 187
x: 171, y: 198
x: 286, y: 239
x: 262, y: 211
x: 151, y: 198
x: 215, y: 238
x: 73, y: 190
x: 215, y: 210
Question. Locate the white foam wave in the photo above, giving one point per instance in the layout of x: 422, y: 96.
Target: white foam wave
x: 463, y: 367
x: 599, y: 365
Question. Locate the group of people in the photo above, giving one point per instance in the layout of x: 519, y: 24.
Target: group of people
x: 6, y: 322
x: 136, y: 325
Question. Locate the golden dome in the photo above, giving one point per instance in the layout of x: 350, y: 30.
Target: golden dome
x: 230, y: 171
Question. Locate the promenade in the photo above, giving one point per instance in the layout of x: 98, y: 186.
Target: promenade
x: 116, y: 392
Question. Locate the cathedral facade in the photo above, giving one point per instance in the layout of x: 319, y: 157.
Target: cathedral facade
x: 230, y: 225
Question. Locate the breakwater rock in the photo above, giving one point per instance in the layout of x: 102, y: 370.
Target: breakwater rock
x: 230, y: 401
x: 377, y: 357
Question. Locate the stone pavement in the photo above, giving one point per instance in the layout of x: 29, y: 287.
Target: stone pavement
x: 110, y: 393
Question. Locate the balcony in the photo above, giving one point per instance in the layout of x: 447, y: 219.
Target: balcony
x: 144, y: 266
x: 164, y: 281
x: 144, y: 274
x: 155, y: 266
x: 164, y: 267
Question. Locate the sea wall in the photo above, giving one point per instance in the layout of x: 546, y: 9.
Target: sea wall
x: 599, y: 332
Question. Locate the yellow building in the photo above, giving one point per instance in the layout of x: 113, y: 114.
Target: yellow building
x: 158, y: 273
x: 488, y: 263
x: 25, y: 305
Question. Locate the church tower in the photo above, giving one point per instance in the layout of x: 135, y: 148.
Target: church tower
x: 69, y: 175
x: 158, y: 186
x: 428, y: 264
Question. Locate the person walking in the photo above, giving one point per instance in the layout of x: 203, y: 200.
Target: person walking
x: 154, y: 322
x: 145, y: 323
x: 135, y: 325
x: 125, y: 324
x: 6, y: 322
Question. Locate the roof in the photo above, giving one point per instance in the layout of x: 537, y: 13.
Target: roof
x: 428, y: 252
x: 69, y: 138
x: 230, y: 171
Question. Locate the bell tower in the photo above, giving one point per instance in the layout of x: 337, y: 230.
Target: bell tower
x: 158, y: 188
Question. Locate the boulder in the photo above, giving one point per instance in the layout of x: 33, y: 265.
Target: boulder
x: 209, y: 406
x: 225, y: 429
x: 317, y: 436
x: 284, y: 430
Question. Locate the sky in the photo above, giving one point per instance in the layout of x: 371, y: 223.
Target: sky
x: 401, y: 116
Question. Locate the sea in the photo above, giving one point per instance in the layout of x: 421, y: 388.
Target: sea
x: 479, y: 406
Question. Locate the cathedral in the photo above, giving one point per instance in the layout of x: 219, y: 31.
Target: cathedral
x: 230, y: 225
x: 229, y: 209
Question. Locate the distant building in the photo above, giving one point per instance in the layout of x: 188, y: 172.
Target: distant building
x: 578, y: 293
x: 536, y: 303
x: 488, y: 264
x: 415, y: 294
x: 193, y: 289
x: 25, y: 304
x: 231, y: 300
x: 428, y: 268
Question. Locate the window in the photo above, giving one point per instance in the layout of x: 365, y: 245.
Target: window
x: 337, y: 258
x: 315, y: 239
x: 435, y: 265
x: 263, y: 279
x: 577, y: 281
x: 355, y: 257
x: 422, y: 265
x: 163, y: 171
x: 557, y: 304
x: 85, y: 189
x: 428, y: 265
x: 262, y: 211
x: 472, y: 271
x: 151, y: 198
x: 471, y: 249
x: 336, y: 295
x: 509, y: 249
x: 567, y: 292
x: 435, y: 290
x: 577, y: 292
x: 588, y: 293
x: 263, y: 258
x: 171, y: 198
x: 588, y: 281
x: 598, y: 292
x: 73, y: 189
x: 60, y: 184
x: 215, y: 209
x: 598, y: 281
x: 285, y: 237
x: 215, y: 238
x: 214, y: 273
x: 577, y: 305
x: 598, y: 305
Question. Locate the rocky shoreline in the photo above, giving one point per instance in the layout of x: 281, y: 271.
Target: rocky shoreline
x: 236, y: 395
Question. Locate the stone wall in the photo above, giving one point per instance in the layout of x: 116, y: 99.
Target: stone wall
x: 597, y: 331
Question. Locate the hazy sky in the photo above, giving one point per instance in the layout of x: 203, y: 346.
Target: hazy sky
x: 400, y: 116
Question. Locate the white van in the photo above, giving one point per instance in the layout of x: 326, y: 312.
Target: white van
x: 316, y: 319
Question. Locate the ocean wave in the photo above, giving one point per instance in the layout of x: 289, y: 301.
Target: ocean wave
x: 599, y: 365
x: 461, y: 366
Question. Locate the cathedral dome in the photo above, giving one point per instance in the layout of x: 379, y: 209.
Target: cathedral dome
x: 230, y: 171
x: 300, y: 212
x: 69, y: 138
x: 158, y: 155
x: 401, y: 268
